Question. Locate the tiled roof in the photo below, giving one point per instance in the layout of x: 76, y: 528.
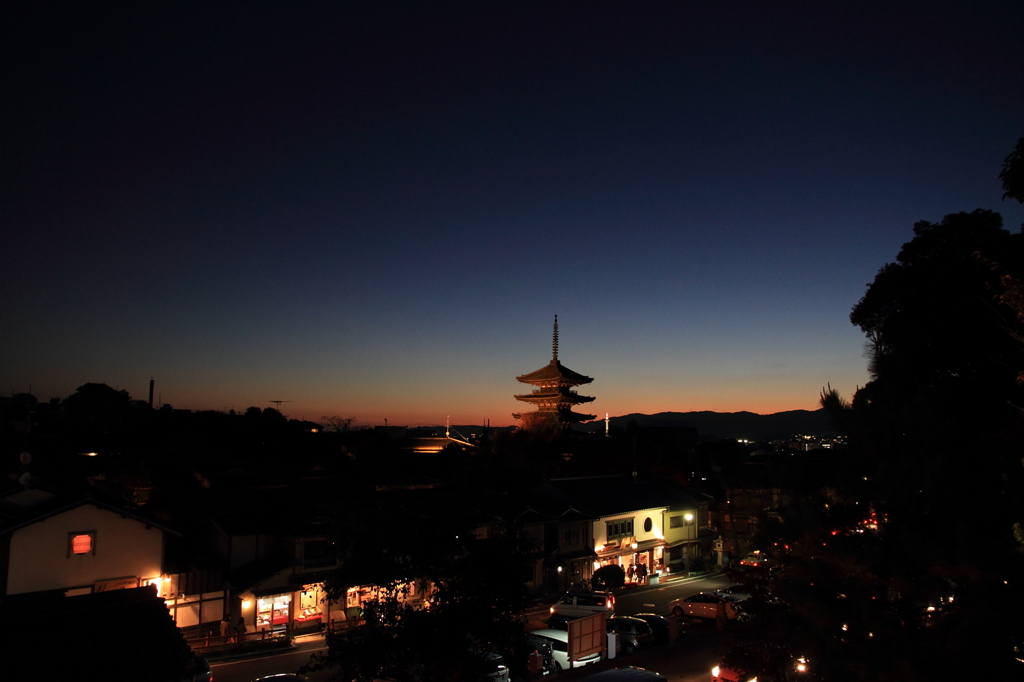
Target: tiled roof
x: 609, y: 495
x: 25, y: 506
x: 548, y: 396
x: 555, y: 371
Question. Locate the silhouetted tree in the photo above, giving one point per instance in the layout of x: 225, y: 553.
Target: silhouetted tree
x: 476, y: 585
x: 338, y: 424
x: 903, y: 548
x: 1012, y: 175
x: 610, y: 577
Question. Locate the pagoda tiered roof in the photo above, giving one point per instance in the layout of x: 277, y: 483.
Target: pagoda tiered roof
x: 553, y: 394
x: 554, y: 373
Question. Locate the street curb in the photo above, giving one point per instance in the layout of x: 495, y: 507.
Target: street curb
x: 252, y: 654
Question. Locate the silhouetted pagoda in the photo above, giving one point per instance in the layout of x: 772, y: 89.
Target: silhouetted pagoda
x: 553, y: 395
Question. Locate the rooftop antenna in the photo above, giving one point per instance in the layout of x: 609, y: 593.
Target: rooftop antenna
x: 554, y: 342
x: 278, y: 403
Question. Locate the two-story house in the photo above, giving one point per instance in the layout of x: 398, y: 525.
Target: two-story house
x: 76, y: 542
x: 688, y: 534
x: 631, y: 521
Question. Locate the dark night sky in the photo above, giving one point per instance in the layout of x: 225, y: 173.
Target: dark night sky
x: 377, y: 212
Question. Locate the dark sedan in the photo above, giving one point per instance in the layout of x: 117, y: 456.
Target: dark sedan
x: 659, y: 626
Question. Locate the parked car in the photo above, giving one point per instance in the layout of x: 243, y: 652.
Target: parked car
x: 758, y: 560
x: 726, y: 674
x: 660, y: 626
x: 558, y: 640
x: 578, y: 604
x: 773, y: 660
x: 633, y: 633
x: 741, y: 592
x: 542, y: 647
x: 625, y: 675
x: 704, y: 605
x: 497, y: 671
x: 201, y: 670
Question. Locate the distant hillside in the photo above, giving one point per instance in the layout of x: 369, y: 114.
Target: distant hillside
x: 714, y: 425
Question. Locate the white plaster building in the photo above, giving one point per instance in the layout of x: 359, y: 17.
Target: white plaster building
x: 75, y: 543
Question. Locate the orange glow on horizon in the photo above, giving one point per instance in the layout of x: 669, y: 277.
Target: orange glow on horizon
x: 499, y: 413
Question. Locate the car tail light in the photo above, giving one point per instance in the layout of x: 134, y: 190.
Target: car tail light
x: 611, y: 600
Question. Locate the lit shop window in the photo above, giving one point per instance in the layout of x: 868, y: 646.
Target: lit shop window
x: 82, y: 543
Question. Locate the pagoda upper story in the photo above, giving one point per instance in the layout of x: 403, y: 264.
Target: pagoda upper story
x: 553, y: 394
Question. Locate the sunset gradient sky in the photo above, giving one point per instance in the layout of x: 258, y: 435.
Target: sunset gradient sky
x: 377, y: 212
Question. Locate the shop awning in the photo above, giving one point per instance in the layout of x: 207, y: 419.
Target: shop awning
x: 626, y: 547
x: 649, y: 544
x: 683, y: 543
x: 271, y: 591
x: 299, y: 579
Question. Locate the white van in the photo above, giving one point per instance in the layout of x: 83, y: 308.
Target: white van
x: 579, y: 604
x: 558, y: 640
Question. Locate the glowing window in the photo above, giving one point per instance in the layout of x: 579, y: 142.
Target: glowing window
x: 83, y: 543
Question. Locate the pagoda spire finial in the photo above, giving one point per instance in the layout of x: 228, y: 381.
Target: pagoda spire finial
x: 554, y: 341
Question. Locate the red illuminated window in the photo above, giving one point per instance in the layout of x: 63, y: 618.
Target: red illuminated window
x: 82, y: 543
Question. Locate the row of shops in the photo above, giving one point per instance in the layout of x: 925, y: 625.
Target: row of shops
x: 276, y: 609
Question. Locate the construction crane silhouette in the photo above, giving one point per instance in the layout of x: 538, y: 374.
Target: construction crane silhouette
x: 278, y: 403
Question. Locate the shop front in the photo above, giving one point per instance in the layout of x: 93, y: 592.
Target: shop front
x: 640, y: 561
x: 299, y: 610
x: 277, y: 611
x: 310, y: 609
x: 273, y: 612
x: 196, y: 600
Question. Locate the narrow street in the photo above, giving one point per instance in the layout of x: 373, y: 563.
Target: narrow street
x: 690, y: 659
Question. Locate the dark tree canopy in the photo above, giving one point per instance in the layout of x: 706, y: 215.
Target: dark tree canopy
x: 476, y: 586
x: 935, y: 332
x: 901, y: 550
x: 1012, y: 175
